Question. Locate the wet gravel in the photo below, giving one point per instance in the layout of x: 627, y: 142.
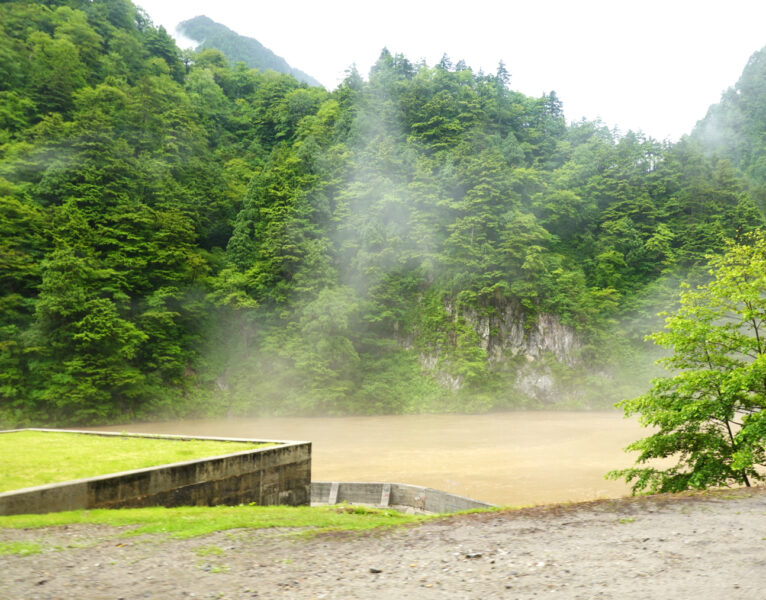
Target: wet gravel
x: 707, y: 545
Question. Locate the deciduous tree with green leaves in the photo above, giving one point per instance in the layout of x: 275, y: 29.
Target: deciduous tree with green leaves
x: 709, y: 414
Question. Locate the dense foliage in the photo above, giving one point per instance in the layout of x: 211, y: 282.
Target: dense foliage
x: 708, y: 415
x: 181, y: 235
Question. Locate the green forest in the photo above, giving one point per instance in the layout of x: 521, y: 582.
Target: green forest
x: 183, y: 236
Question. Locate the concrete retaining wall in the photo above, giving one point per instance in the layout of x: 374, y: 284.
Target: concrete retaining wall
x: 273, y: 475
x: 391, y: 494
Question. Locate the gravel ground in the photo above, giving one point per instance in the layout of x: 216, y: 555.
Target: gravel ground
x: 707, y: 545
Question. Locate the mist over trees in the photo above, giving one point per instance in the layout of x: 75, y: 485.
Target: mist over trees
x: 734, y: 127
x: 182, y: 236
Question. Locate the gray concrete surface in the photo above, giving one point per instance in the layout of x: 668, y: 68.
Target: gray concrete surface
x: 391, y: 494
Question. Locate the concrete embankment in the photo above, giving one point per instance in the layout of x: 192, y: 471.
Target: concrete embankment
x: 278, y: 474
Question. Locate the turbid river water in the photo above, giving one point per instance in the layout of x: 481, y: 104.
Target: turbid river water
x: 515, y: 458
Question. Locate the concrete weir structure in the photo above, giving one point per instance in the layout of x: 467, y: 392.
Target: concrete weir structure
x: 278, y: 474
x: 393, y: 495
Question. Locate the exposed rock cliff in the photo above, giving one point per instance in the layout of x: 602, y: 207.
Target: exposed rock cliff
x: 505, y: 331
x: 509, y: 336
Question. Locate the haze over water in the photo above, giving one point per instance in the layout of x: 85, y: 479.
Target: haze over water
x: 514, y: 458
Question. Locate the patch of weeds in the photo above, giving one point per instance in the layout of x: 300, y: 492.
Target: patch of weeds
x: 192, y: 521
x: 212, y: 567
x: 76, y: 544
x: 20, y: 548
x: 211, y: 550
x: 234, y: 536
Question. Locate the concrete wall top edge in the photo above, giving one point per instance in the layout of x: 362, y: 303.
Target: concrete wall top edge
x: 160, y: 436
x: 411, y: 486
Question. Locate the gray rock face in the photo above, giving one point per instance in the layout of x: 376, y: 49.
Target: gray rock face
x: 503, y: 334
x: 506, y: 332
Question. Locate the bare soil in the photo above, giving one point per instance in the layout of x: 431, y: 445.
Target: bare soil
x: 710, y: 545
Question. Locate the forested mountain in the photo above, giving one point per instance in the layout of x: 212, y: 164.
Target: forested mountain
x: 238, y: 48
x: 186, y: 237
x: 735, y: 128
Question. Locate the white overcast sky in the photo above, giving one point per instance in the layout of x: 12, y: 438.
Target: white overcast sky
x: 646, y: 65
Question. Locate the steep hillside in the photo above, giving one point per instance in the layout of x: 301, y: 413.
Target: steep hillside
x: 191, y: 237
x: 735, y: 128
x: 209, y: 34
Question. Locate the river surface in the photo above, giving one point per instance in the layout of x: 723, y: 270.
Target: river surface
x: 515, y: 458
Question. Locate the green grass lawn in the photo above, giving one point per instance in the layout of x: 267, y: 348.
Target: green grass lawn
x: 29, y: 458
x: 192, y: 521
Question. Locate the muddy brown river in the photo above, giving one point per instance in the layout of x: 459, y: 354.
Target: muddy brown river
x: 516, y: 458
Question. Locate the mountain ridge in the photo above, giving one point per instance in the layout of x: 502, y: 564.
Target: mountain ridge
x: 238, y: 48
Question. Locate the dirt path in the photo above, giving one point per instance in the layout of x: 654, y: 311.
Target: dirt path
x: 706, y: 546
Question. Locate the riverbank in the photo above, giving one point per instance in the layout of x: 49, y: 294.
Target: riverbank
x: 667, y: 546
